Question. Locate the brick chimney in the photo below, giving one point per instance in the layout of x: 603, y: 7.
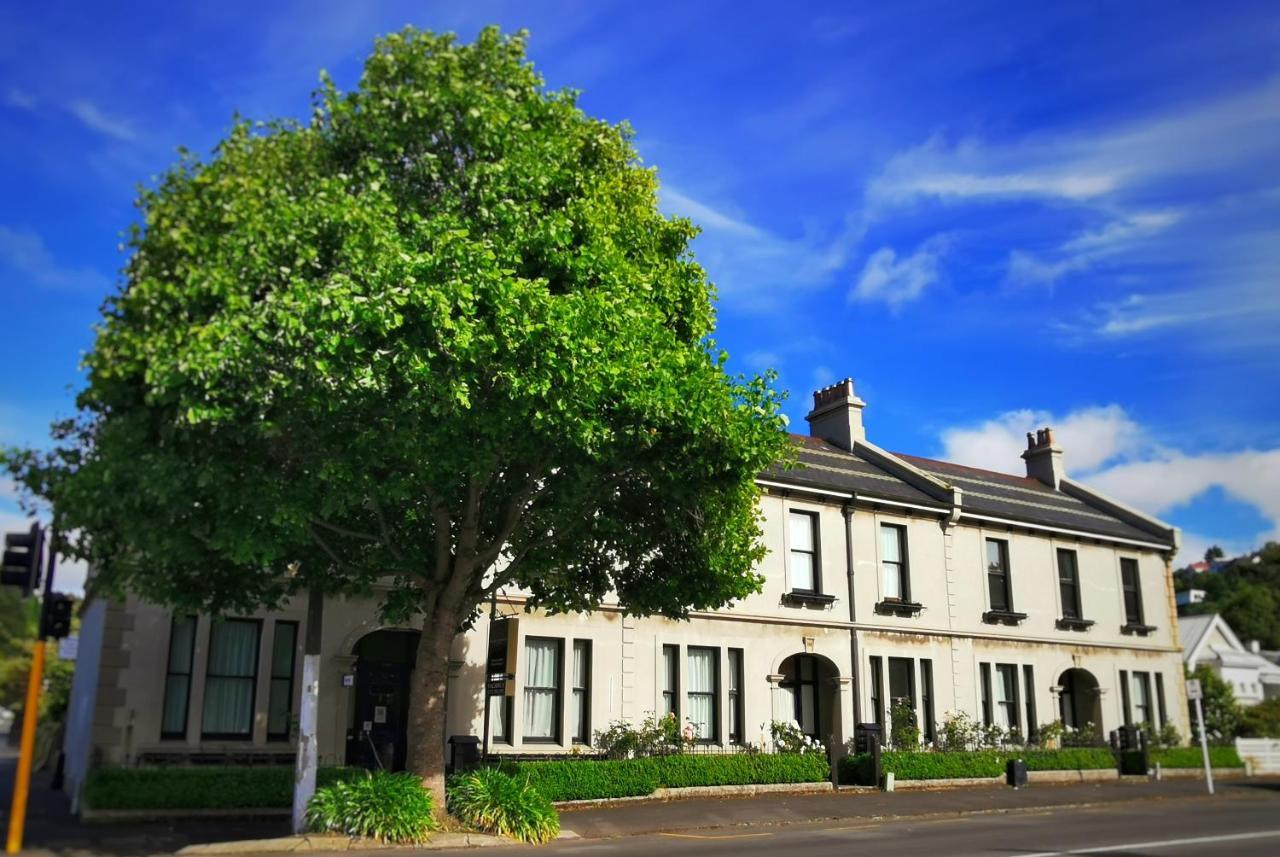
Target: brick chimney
x: 1044, y: 458
x: 837, y: 415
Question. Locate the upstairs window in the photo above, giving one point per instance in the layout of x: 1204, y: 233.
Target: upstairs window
x: 1069, y: 584
x: 893, y: 563
x: 1132, y: 591
x: 998, y: 575
x: 803, y: 532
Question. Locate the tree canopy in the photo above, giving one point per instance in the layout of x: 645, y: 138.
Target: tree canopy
x: 1246, y: 591
x: 440, y: 334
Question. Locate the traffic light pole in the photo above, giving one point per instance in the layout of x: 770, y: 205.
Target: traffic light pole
x: 30, y: 716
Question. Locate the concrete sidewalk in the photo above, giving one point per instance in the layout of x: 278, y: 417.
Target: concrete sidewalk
x: 869, y: 805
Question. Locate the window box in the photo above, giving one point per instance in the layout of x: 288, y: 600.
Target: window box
x: 1067, y: 624
x: 1003, y: 617
x: 897, y: 607
x: 800, y: 598
x: 1137, y: 628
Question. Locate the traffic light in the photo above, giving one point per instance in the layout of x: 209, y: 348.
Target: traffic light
x: 57, y: 616
x: 21, y: 565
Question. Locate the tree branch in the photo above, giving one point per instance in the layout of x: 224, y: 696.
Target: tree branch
x: 343, y: 531
x: 382, y: 526
x: 328, y: 550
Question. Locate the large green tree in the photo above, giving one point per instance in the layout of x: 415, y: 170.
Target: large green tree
x: 440, y: 336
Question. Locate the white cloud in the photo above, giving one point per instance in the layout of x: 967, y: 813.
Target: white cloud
x: 1091, y: 436
x: 896, y: 281
x: 707, y: 217
x: 1089, y: 248
x: 25, y: 253
x: 93, y: 118
x: 1109, y: 451
x: 20, y: 99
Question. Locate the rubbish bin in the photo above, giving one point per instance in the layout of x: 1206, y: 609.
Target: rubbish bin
x: 1015, y: 773
x: 464, y: 751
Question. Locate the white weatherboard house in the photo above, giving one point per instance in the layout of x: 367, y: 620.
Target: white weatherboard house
x: 1017, y: 599
x: 1210, y: 641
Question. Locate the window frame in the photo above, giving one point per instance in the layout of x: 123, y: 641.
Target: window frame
x: 670, y: 691
x: 1160, y: 704
x: 189, y: 675
x: 582, y: 735
x: 253, y: 695
x: 815, y: 555
x: 926, y: 700
x: 1029, y: 701
x: 1074, y: 610
x: 984, y: 680
x: 1142, y: 682
x: 1005, y: 574
x: 1012, y: 702
x: 1126, y: 710
x: 735, y: 695
x: 1130, y: 619
x: 557, y: 713
x: 272, y: 678
x: 903, y: 564
x: 876, y: 665
x: 714, y: 693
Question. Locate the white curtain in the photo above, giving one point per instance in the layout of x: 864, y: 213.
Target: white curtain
x: 1004, y: 699
x: 541, y: 673
x: 702, y: 691
x: 801, y: 551
x: 230, y: 678
x: 1141, y: 700
x: 891, y: 561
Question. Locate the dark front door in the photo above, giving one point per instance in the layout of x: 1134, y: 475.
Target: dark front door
x: 384, y: 663
x: 378, y: 738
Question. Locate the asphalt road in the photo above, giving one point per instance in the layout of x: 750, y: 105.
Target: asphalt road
x: 1241, y: 827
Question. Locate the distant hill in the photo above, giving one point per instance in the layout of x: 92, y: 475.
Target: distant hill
x: 1245, y: 590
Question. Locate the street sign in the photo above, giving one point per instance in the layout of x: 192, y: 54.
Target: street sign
x: 68, y: 647
x: 1194, y: 690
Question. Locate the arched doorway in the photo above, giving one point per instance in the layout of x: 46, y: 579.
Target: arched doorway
x: 1079, y: 701
x: 807, y: 696
x: 384, y: 663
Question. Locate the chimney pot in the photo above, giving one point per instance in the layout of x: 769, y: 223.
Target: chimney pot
x: 837, y: 415
x: 1044, y: 458
x: 1031, y: 440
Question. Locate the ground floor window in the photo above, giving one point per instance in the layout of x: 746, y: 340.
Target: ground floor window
x: 671, y: 681
x: 737, y: 715
x: 927, y: 725
x: 581, y: 692
x: 877, y: 692
x: 280, y: 701
x: 704, y: 678
x: 1000, y: 696
x: 542, y: 689
x: 177, y: 684
x: 231, y: 679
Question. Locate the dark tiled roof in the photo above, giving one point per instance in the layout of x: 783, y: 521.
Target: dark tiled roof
x: 985, y: 492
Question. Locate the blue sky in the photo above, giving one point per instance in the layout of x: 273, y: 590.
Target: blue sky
x: 992, y: 216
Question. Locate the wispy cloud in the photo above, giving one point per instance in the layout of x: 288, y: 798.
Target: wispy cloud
x: 1087, y: 249
x: 755, y: 268
x: 93, y: 118
x: 20, y: 99
x: 887, y: 278
x: 25, y: 254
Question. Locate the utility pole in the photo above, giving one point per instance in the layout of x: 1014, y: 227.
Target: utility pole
x: 304, y: 785
x: 35, y: 679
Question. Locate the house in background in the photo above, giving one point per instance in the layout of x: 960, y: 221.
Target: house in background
x: 1209, y: 640
x: 889, y: 580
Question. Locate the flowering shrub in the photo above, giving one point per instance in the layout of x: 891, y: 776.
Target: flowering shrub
x: 655, y: 736
x: 787, y: 738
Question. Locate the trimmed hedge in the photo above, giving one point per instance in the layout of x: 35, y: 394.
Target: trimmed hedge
x: 586, y: 779
x: 214, y: 787
x: 971, y: 764
x: 1189, y: 757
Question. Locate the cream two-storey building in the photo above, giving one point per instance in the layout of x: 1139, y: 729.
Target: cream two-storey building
x: 889, y: 578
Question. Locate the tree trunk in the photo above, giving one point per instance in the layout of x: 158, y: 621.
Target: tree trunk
x: 427, y: 712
